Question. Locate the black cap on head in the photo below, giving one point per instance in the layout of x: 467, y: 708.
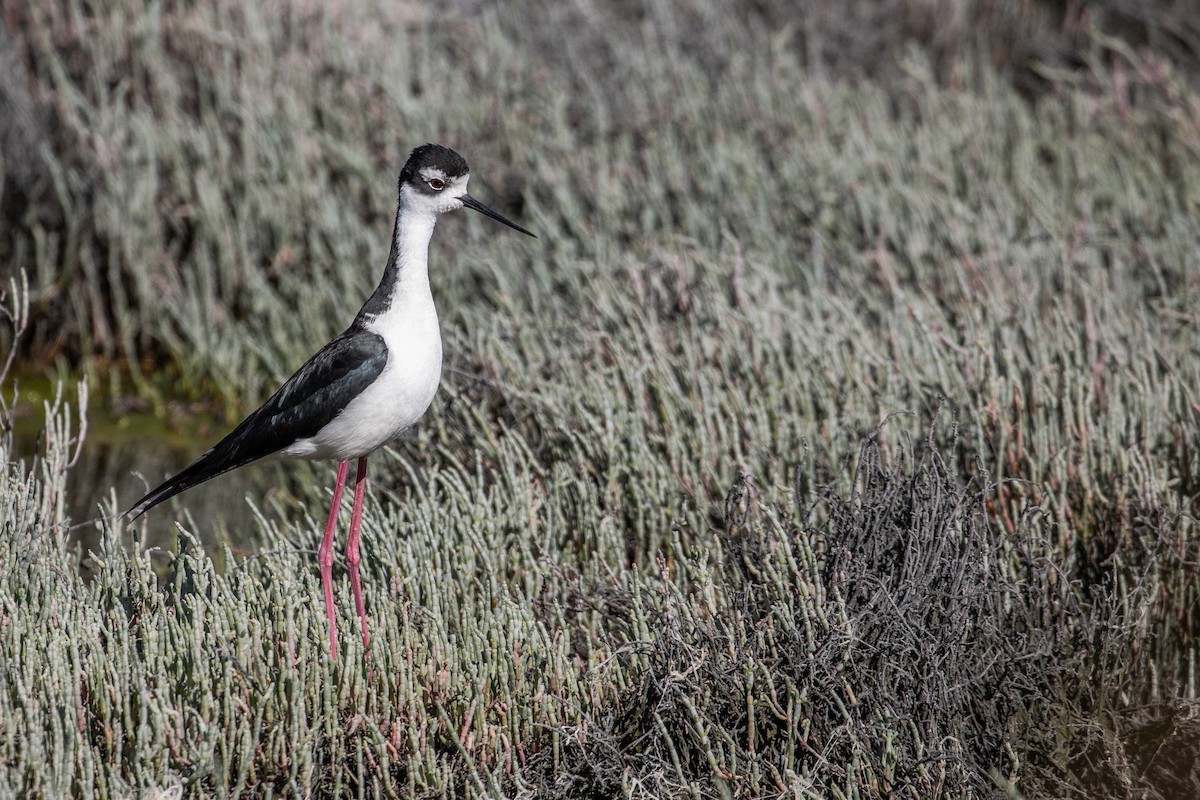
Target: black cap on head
x: 448, y: 162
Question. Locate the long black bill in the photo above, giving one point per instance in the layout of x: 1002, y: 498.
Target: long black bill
x: 471, y: 202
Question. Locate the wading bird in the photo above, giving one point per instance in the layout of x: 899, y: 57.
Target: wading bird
x: 367, y: 386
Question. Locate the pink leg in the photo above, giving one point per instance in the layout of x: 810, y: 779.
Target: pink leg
x: 352, y: 556
x: 325, y: 555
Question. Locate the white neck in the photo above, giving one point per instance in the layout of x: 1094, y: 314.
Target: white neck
x: 406, y: 277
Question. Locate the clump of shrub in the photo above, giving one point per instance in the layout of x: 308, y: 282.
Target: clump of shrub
x: 884, y: 637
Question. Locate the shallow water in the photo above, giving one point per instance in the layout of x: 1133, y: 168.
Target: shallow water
x: 125, y: 454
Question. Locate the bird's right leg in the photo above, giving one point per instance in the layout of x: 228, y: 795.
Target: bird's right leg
x: 352, y: 555
x: 325, y: 554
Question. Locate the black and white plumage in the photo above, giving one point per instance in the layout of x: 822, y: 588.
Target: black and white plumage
x: 369, y: 384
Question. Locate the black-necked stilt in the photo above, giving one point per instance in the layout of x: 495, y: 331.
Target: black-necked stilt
x: 368, y: 385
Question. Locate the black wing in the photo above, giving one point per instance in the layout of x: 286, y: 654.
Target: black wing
x: 307, y: 402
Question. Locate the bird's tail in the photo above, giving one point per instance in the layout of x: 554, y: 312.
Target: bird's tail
x: 209, y: 466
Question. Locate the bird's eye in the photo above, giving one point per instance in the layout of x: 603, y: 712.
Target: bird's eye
x: 437, y: 184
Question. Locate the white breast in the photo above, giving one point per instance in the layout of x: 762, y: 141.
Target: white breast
x: 399, y: 396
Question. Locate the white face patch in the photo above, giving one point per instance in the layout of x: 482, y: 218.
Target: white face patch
x: 430, y: 173
x: 455, y: 189
x: 436, y: 183
x: 422, y: 197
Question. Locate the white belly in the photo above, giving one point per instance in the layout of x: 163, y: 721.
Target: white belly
x: 393, y: 403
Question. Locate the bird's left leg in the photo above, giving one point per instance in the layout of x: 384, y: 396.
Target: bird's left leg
x: 325, y: 555
x: 352, y: 556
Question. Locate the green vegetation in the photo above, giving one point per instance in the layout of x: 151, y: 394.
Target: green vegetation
x: 839, y: 437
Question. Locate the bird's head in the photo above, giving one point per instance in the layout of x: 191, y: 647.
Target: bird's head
x: 434, y: 180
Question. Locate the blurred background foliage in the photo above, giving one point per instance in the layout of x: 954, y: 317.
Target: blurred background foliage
x: 178, y: 176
